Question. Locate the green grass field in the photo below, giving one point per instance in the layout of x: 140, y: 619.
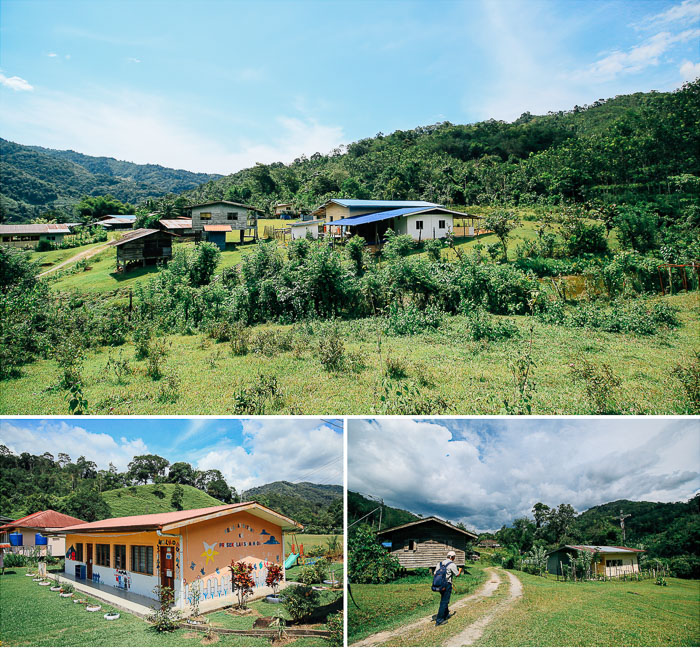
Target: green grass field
x: 34, y: 616
x: 47, y: 260
x: 478, y: 379
x: 139, y: 500
x: 554, y: 613
x: 309, y: 540
x: 385, y: 607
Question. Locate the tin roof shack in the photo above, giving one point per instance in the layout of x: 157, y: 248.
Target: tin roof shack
x: 113, y: 222
x: 239, y: 217
x: 30, y: 235
x: 180, y: 227
x: 614, y: 561
x: 302, y: 229
x: 425, y: 542
x: 143, y: 246
x: 38, y: 532
x: 177, y: 549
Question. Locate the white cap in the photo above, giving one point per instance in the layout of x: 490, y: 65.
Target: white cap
x: 451, y: 553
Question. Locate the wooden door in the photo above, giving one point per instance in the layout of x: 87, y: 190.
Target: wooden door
x: 88, y: 561
x: 167, y: 567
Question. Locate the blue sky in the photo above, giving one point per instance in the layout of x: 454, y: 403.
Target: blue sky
x: 487, y: 472
x: 217, y: 86
x: 248, y: 452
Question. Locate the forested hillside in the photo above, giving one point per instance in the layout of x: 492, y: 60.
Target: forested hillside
x: 318, y: 507
x: 643, y: 147
x: 360, y: 506
x: 40, y: 182
x: 30, y: 483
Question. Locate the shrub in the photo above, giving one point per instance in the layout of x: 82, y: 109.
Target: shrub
x: 240, y: 337
x: 164, y: 618
x: 407, y: 399
x: 300, y: 601
x: 355, y: 252
x: 15, y: 560
x: 410, y: 320
x: 601, y: 383
x: 396, y: 368
x: 44, y: 246
x: 397, y: 245
x: 242, y: 582
x: 637, y: 227
x: 157, y: 351
x: 335, y: 625
x: 307, y: 575
x: 120, y: 367
x: 220, y: 331
x: 271, y: 342
x: 331, y: 351
x: 368, y: 561
x: 482, y: 326
x: 169, y: 389
x: 254, y: 399
x: 142, y: 339
x: 274, y: 578
x: 433, y: 249
x: 688, y: 374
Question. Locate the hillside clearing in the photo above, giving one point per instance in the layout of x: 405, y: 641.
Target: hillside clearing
x: 136, y: 500
x: 209, y: 379
x: 553, y: 613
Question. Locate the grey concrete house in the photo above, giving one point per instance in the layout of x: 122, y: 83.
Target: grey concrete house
x: 233, y: 216
x: 425, y: 542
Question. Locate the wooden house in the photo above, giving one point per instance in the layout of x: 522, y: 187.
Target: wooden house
x: 180, y: 227
x: 143, y: 246
x: 178, y: 549
x: 614, y: 561
x: 426, y: 542
x: 489, y: 543
x: 37, y: 532
x: 284, y: 209
x: 237, y: 216
x: 29, y: 235
x: 115, y: 222
x: 370, y: 219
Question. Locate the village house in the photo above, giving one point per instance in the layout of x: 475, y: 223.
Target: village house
x: 180, y: 227
x: 177, y: 549
x: 114, y: 222
x: 614, y: 561
x: 284, y: 209
x: 489, y: 543
x: 211, y: 221
x: 28, y: 236
x: 313, y: 228
x: 143, y: 246
x: 426, y: 542
x: 371, y: 219
x: 37, y: 532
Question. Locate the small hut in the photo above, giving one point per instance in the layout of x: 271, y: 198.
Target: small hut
x: 143, y: 246
x: 426, y: 542
x: 612, y: 561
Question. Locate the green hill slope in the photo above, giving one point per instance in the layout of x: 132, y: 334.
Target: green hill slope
x: 154, y: 498
x: 37, y: 180
x: 359, y: 506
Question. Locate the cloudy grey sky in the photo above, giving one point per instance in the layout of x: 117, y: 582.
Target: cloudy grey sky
x: 487, y: 472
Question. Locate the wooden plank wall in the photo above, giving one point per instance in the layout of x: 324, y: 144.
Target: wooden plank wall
x: 432, y: 545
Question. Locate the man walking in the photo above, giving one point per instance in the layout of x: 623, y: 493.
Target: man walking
x: 444, y: 571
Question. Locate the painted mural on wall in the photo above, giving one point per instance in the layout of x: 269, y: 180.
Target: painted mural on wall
x: 208, y: 566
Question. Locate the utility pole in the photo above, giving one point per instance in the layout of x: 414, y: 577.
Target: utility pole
x: 622, y: 518
x: 381, y: 509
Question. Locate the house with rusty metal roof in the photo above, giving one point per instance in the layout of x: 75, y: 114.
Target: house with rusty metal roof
x: 143, y: 246
x: 613, y: 561
x: 114, y: 222
x: 181, y: 550
x: 425, y: 542
x: 37, y: 532
x: 29, y: 235
x: 181, y: 227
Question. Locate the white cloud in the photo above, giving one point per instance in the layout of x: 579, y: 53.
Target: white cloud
x: 686, y: 12
x: 689, y: 70
x: 279, y: 449
x: 53, y: 437
x: 144, y: 128
x: 487, y: 480
x: 15, y: 83
x: 636, y: 58
x: 52, y: 55
x: 131, y: 59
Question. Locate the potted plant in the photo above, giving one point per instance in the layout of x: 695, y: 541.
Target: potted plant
x: 56, y: 587
x: 67, y: 590
x: 44, y: 582
x: 111, y: 614
x: 273, y: 580
x: 93, y: 607
x: 80, y: 601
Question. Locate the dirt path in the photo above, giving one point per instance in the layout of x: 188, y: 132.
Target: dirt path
x: 82, y: 255
x: 486, y: 590
x: 474, y: 631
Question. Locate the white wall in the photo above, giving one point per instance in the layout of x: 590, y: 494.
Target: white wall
x: 301, y: 230
x: 138, y: 583
x: 431, y: 229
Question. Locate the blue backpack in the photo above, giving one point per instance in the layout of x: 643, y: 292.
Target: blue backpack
x: 440, y: 577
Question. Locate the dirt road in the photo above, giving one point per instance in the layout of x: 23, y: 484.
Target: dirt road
x: 83, y: 255
x: 485, y: 591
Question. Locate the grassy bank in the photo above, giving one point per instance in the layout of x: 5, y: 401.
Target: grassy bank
x: 554, y: 613
x: 472, y: 377
x: 385, y: 607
